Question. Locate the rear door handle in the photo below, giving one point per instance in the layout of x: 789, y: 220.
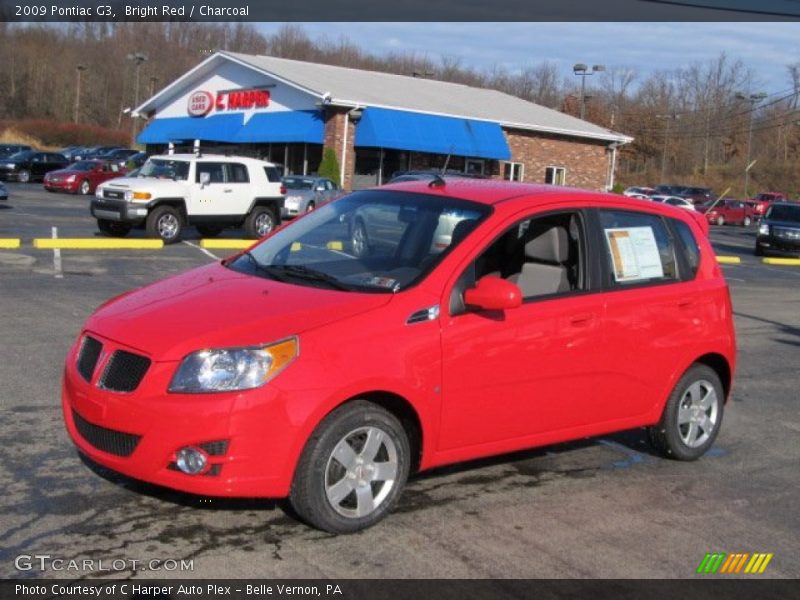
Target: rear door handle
x: 227, y: 191
x: 582, y: 319
x: 686, y: 303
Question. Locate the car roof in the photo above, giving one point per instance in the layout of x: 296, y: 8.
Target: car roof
x: 220, y: 157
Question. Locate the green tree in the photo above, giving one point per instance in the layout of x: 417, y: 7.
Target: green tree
x: 329, y: 167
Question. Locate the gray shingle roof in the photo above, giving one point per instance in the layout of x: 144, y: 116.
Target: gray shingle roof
x: 371, y: 88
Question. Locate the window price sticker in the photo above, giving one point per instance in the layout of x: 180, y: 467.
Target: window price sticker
x: 634, y: 253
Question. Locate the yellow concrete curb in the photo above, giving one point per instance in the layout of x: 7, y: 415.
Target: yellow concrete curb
x: 781, y: 261
x: 729, y: 260
x: 96, y: 244
x: 10, y: 243
x: 226, y: 244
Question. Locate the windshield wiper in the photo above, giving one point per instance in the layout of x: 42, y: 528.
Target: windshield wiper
x: 262, y: 268
x: 303, y: 272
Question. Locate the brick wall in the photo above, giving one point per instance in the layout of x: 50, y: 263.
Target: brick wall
x: 586, y: 161
x: 334, y: 135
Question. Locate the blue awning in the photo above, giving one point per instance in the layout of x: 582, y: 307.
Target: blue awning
x: 276, y: 127
x: 404, y: 130
x: 286, y: 126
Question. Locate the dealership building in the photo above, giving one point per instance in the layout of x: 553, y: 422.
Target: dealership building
x: 289, y: 112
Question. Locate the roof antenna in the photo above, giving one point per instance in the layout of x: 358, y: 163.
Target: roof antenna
x: 437, y: 181
x: 446, y: 162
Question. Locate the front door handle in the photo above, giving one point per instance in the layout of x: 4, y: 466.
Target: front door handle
x: 581, y: 319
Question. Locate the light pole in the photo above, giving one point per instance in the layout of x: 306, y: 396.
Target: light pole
x: 753, y: 99
x: 583, y: 71
x: 138, y: 58
x: 78, y: 69
x: 669, y: 117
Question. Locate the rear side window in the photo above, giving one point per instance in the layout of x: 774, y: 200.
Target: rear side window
x: 273, y: 174
x: 688, y: 244
x: 237, y: 173
x: 639, y: 248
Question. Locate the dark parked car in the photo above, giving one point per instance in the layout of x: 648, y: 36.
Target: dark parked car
x: 31, y: 166
x: 3, y: 192
x: 669, y: 190
x: 101, y: 152
x: 136, y: 161
x: 698, y: 195
x: 6, y: 150
x: 779, y: 231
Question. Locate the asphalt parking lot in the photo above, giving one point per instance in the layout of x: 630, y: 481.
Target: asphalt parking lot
x: 599, y: 508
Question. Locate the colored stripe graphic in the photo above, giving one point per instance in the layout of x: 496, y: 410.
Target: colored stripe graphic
x: 734, y: 563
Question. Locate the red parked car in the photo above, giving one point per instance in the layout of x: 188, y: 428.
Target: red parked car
x: 82, y: 177
x: 760, y: 202
x: 402, y: 328
x: 730, y: 212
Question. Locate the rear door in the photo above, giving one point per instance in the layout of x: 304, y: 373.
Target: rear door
x: 238, y: 191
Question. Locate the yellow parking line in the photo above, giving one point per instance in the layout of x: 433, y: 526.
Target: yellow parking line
x: 96, y: 244
x: 729, y: 260
x: 226, y: 244
x: 10, y: 243
x: 781, y: 261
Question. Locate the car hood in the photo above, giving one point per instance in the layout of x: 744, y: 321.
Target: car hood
x: 216, y: 307
x: 147, y: 184
x: 66, y: 172
x: 787, y: 224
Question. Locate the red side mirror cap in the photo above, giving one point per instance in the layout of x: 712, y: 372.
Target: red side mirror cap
x: 493, y: 293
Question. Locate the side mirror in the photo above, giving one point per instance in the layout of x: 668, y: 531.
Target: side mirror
x: 493, y: 293
x: 205, y: 178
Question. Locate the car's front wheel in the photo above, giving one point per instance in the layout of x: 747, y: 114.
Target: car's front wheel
x: 720, y: 220
x: 85, y: 188
x: 352, y: 470
x: 692, y: 416
x: 746, y: 222
x: 164, y: 222
x: 24, y: 176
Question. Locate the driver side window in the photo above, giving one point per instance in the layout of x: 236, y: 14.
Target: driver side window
x: 544, y: 256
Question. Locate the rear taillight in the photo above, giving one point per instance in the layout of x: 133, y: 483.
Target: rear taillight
x: 283, y: 190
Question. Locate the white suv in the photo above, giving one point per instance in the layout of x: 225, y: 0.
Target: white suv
x: 209, y: 191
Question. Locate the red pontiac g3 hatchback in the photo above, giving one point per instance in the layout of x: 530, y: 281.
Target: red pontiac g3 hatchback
x: 402, y: 328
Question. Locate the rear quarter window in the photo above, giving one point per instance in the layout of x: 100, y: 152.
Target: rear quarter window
x: 639, y: 248
x: 273, y: 174
x: 687, y: 244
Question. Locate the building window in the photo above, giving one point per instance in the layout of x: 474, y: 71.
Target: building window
x: 474, y: 166
x: 555, y: 175
x: 513, y: 171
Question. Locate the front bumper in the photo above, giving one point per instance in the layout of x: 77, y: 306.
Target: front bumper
x: 112, y: 209
x: 61, y: 186
x: 254, y: 424
x: 770, y: 244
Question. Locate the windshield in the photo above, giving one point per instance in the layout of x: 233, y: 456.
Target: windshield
x: 162, y: 168
x: 24, y: 155
x: 83, y: 165
x: 295, y: 183
x: 784, y: 212
x: 371, y: 241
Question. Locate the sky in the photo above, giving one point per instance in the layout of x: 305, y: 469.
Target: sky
x: 643, y: 47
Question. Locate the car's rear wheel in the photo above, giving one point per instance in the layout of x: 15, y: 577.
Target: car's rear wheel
x: 165, y: 222
x: 260, y: 222
x: 692, y: 416
x: 24, y: 176
x: 758, y: 251
x: 746, y: 222
x: 209, y: 230
x: 113, y: 228
x: 352, y: 470
x: 85, y: 187
x: 720, y: 220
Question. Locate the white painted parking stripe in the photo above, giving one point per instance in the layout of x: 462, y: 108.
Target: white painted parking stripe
x: 203, y: 250
x: 57, y: 267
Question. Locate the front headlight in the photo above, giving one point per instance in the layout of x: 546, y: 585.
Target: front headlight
x: 71, y: 178
x: 11, y: 165
x: 232, y: 369
x: 98, y: 192
x: 763, y: 229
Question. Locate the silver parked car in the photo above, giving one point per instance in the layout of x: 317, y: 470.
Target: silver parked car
x: 305, y: 193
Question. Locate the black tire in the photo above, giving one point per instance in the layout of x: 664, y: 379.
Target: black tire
x: 165, y: 222
x: 670, y: 436
x: 319, y: 471
x: 24, y: 176
x: 720, y: 220
x: 209, y: 230
x: 112, y: 228
x: 359, y: 242
x: 310, y: 206
x: 260, y: 222
x: 85, y: 188
x: 758, y: 251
